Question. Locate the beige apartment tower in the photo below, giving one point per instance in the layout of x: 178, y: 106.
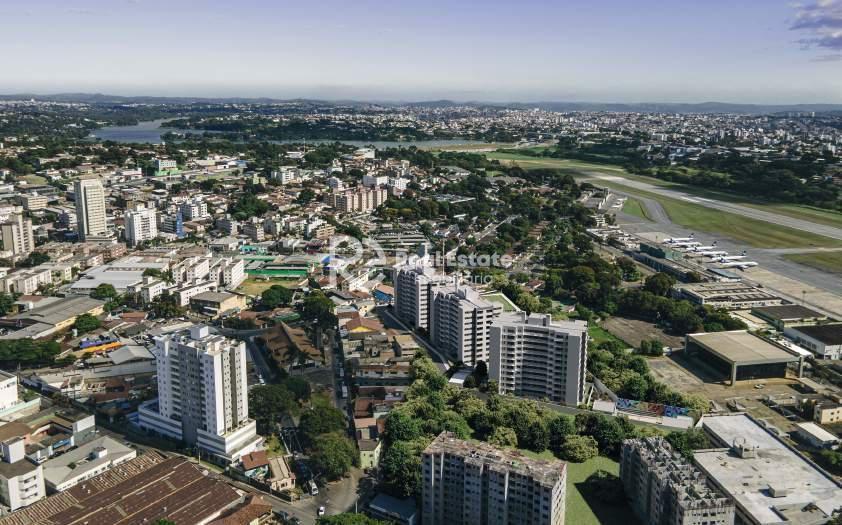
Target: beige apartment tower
x: 90, y: 208
x: 474, y: 483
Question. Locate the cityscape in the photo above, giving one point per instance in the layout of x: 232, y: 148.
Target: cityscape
x: 319, y: 265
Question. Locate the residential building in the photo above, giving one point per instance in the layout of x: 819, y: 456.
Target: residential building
x: 21, y: 480
x: 141, y: 225
x: 461, y: 322
x: 415, y: 286
x: 665, y: 489
x: 202, y: 393
x: 474, y: 483
x: 827, y: 413
x: 359, y: 200
x: 16, y: 232
x: 90, y: 208
x: 532, y: 356
x: 194, y: 209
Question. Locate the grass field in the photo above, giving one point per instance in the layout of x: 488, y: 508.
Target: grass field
x: 598, y: 334
x: 635, y: 208
x: 34, y: 179
x: 502, y: 300
x: 830, y: 262
x: 580, y: 168
x: 255, y: 287
x: 584, y: 508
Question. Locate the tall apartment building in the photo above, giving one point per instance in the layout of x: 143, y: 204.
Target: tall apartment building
x: 532, y: 356
x: 359, y: 199
x: 474, y: 483
x: 90, y: 208
x: 461, y: 321
x: 665, y: 489
x: 202, y: 393
x: 141, y: 225
x: 415, y: 286
x: 17, y: 236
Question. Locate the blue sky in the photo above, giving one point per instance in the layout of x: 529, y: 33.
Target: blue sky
x: 765, y: 51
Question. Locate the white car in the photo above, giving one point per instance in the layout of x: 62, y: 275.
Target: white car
x: 322, y: 510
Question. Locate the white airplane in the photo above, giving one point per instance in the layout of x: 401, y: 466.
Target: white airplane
x: 742, y: 265
x: 704, y: 248
x: 673, y: 240
x: 732, y: 258
x: 713, y: 254
x: 686, y: 245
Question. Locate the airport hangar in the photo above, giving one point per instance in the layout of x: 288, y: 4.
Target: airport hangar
x: 740, y: 355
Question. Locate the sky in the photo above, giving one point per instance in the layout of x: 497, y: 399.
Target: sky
x: 747, y: 51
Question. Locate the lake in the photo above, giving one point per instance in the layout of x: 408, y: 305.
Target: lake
x: 150, y: 131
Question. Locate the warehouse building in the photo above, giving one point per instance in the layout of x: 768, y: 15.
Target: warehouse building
x: 740, y: 355
x: 728, y: 295
x: 769, y: 481
x: 785, y: 315
x: 824, y: 340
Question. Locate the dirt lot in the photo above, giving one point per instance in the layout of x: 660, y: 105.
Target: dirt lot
x: 633, y: 332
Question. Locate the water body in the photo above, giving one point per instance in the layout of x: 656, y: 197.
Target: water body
x: 150, y: 131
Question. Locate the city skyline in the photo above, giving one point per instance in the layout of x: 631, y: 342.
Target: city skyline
x: 606, y: 52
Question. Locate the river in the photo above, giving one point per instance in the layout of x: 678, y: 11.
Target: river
x: 150, y: 131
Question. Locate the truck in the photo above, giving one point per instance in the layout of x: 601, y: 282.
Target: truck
x: 314, y: 490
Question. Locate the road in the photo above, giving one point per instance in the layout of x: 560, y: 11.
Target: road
x: 737, y: 209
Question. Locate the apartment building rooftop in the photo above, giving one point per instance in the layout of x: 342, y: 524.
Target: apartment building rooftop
x: 543, y: 471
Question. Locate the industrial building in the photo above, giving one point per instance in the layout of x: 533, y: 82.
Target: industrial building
x: 740, y: 355
x: 664, y: 489
x: 50, y: 315
x: 474, y: 483
x: 770, y: 482
x: 824, y: 340
x: 785, y: 315
x: 728, y: 295
x: 532, y: 356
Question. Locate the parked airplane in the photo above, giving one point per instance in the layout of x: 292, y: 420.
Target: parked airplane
x: 742, y: 265
x: 713, y: 254
x: 703, y: 248
x: 673, y: 240
x: 732, y: 258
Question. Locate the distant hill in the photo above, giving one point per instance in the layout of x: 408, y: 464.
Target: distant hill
x: 643, y: 107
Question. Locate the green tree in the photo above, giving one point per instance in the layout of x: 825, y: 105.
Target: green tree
x: 400, y: 426
x: 268, y: 403
x: 659, y: 284
x: 503, y: 437
x: 86, y: 323
x: 276, y: 295
x: 321, y: 419
x: 7, y: 302
x: 560, y: 428
x: 105, y: 292
x: 165, y: 306
x: 332, y: 455
x: 318, y: 309
x: 400, y: 467
x: 579, y: 448
x: 687, y: 441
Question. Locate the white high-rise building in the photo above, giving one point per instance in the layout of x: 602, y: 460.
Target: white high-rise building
x: 532, y: 356
x: 17, y: 236
x: 202, y: 393
x: 141, y: 225
x: 415, y: 284
x: 90, y: 208
x: 460, y: 323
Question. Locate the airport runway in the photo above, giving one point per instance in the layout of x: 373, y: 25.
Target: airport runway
x: 737, y: 209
